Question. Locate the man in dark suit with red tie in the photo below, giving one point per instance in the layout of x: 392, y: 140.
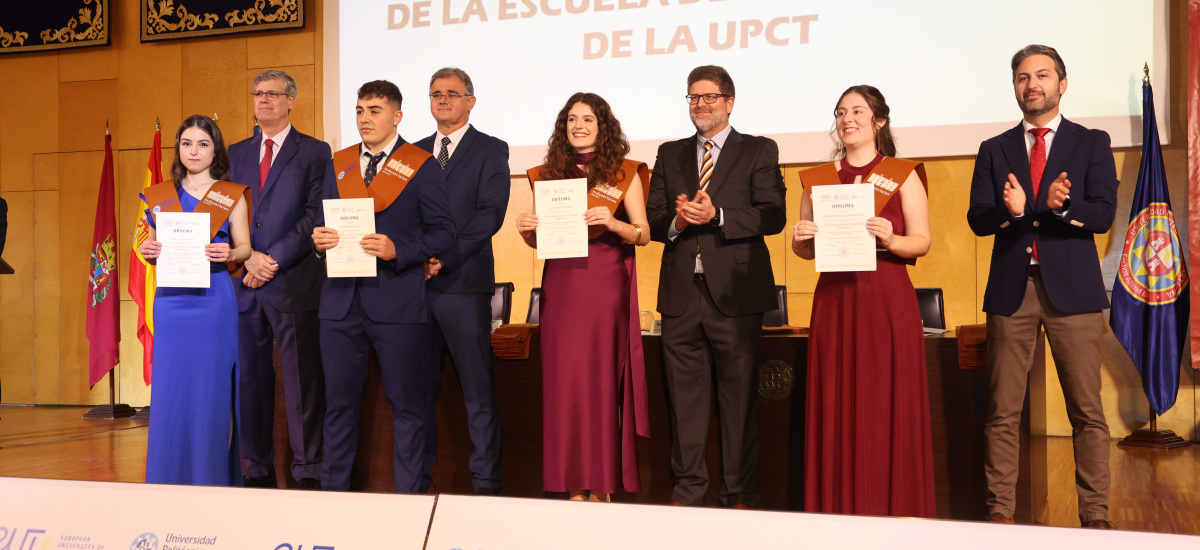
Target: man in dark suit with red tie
x: 390, y: 311
x: 1044, y: 189
x: 462, y: 279
x: 713, y: 196
x: 278, y: 293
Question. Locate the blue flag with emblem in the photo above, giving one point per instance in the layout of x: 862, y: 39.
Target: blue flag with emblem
x: 1149, y: 296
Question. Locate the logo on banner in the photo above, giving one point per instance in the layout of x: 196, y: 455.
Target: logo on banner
x: 8, y: 535
x: 1154, y: 273
x: 145, y: 541
x: 286, y: 546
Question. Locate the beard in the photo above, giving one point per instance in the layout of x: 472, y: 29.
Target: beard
x: 1035, y: 107
x: 707, y: 121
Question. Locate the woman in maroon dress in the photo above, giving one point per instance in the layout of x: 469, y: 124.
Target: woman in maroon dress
x: 867, y: 437
x: 593, y: 374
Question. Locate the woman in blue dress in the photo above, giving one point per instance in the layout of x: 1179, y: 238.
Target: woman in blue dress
x: 194, y: 429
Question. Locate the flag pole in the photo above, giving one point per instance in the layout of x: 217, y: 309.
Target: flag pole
x: 112, y: 409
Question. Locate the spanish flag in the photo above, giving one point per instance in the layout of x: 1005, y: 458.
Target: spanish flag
x: 141, y: 273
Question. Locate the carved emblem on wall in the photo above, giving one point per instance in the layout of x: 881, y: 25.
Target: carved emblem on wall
x: 41, y: 26
x: 174, y: 19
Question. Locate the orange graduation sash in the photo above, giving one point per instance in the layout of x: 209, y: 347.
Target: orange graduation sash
x: 394, y: 174
x: 603, y: 194
x: 887, y: 177
x: 218, y: 202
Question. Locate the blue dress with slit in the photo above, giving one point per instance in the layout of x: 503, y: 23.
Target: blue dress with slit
x: 194, y: 436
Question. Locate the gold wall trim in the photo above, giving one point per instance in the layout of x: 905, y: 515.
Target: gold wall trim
x: 57, y: 26
x: 171, y: 20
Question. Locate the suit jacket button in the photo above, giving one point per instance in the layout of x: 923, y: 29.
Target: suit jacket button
x: 260, y: 225
x: 1035, y: 224
x: 1029, y: 249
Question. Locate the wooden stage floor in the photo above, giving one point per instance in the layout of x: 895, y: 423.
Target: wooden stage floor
x: 1152, y: 490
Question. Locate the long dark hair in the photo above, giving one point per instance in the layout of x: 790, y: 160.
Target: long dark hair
x: 885, y: 144
x: 611, y: 145
x: 219, y: 169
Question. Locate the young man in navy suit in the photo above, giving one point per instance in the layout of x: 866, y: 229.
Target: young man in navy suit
x: 388, y: 312
x: 278, y: 293
x: 1044, y: 189
x: 462, y: 280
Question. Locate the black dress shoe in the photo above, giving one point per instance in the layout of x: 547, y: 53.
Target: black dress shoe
x: 487, y: 491
x: 309, y: 484
x: 265, y: 481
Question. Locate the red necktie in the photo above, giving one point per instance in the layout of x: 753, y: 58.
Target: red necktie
x: 1037, y: 165
x: 264, y: 166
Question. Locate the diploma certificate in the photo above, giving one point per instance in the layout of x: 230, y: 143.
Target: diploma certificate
x: 182, y: 262
x: 560, y: 206
x: 353, y: 219
x: 842, y: 242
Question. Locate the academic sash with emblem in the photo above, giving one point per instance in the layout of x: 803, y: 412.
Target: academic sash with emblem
x: 394, y: 174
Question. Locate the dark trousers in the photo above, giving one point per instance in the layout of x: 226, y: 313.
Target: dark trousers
x: 296, y: 334
x: 463, y: 323
x: 696, y: 345
x: 1075, y: 346
x: 403, y: 352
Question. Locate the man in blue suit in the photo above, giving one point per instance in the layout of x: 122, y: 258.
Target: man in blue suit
x: 388, y: 312
x: 462, y: 280
x: 1044, y: 189
x: 278, y: 293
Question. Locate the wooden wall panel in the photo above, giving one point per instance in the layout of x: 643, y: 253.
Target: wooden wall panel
x: 83, y: 109
x: 151, y: 81
x: 29, y: 116
x: 514, y: 260
x: 952, y: 242
x: 89, y: 64
x: 77, y: 212
x: 45, y: 172
x: 272, y: 50
x: 47, y: 294
x: 131, y: 387
x: 214, y: 71
x: 17, y: 301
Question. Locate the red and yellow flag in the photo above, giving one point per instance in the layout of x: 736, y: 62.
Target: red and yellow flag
x: 141, y: 273
x: 103, y: 312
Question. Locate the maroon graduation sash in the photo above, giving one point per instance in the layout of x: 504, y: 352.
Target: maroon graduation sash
x: 394, y: 174
x: 218, y: 202
x: 606, y: 195
x: 886, y: 177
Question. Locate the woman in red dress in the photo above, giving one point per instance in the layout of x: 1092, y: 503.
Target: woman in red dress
x: 593, y: 374
x: 868, y: 447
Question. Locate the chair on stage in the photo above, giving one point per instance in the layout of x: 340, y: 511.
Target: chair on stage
x: 535, y: 306
x: 933, y: 313
x: 778, y: 317
x: 502, y: 302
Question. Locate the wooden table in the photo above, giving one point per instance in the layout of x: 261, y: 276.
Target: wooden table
x: 958, y: 402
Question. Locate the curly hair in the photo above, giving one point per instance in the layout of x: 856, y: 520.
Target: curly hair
x: 219, y: 169
x: 611, y: 144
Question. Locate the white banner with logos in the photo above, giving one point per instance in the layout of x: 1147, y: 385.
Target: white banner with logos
x: 41, y: 514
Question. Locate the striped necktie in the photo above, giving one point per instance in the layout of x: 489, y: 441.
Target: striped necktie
x: 706, y: 169
x: 1037, y: 166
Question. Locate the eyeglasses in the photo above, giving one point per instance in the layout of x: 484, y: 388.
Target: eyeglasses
x: 438, y: 96
x: 269, y: 95
x: 708, y: 98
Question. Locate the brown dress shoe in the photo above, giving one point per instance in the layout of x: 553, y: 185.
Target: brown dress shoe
x: 740, y: 506
x: 996, y: 518
x: 674, y: 503
x: 1099, y: 524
